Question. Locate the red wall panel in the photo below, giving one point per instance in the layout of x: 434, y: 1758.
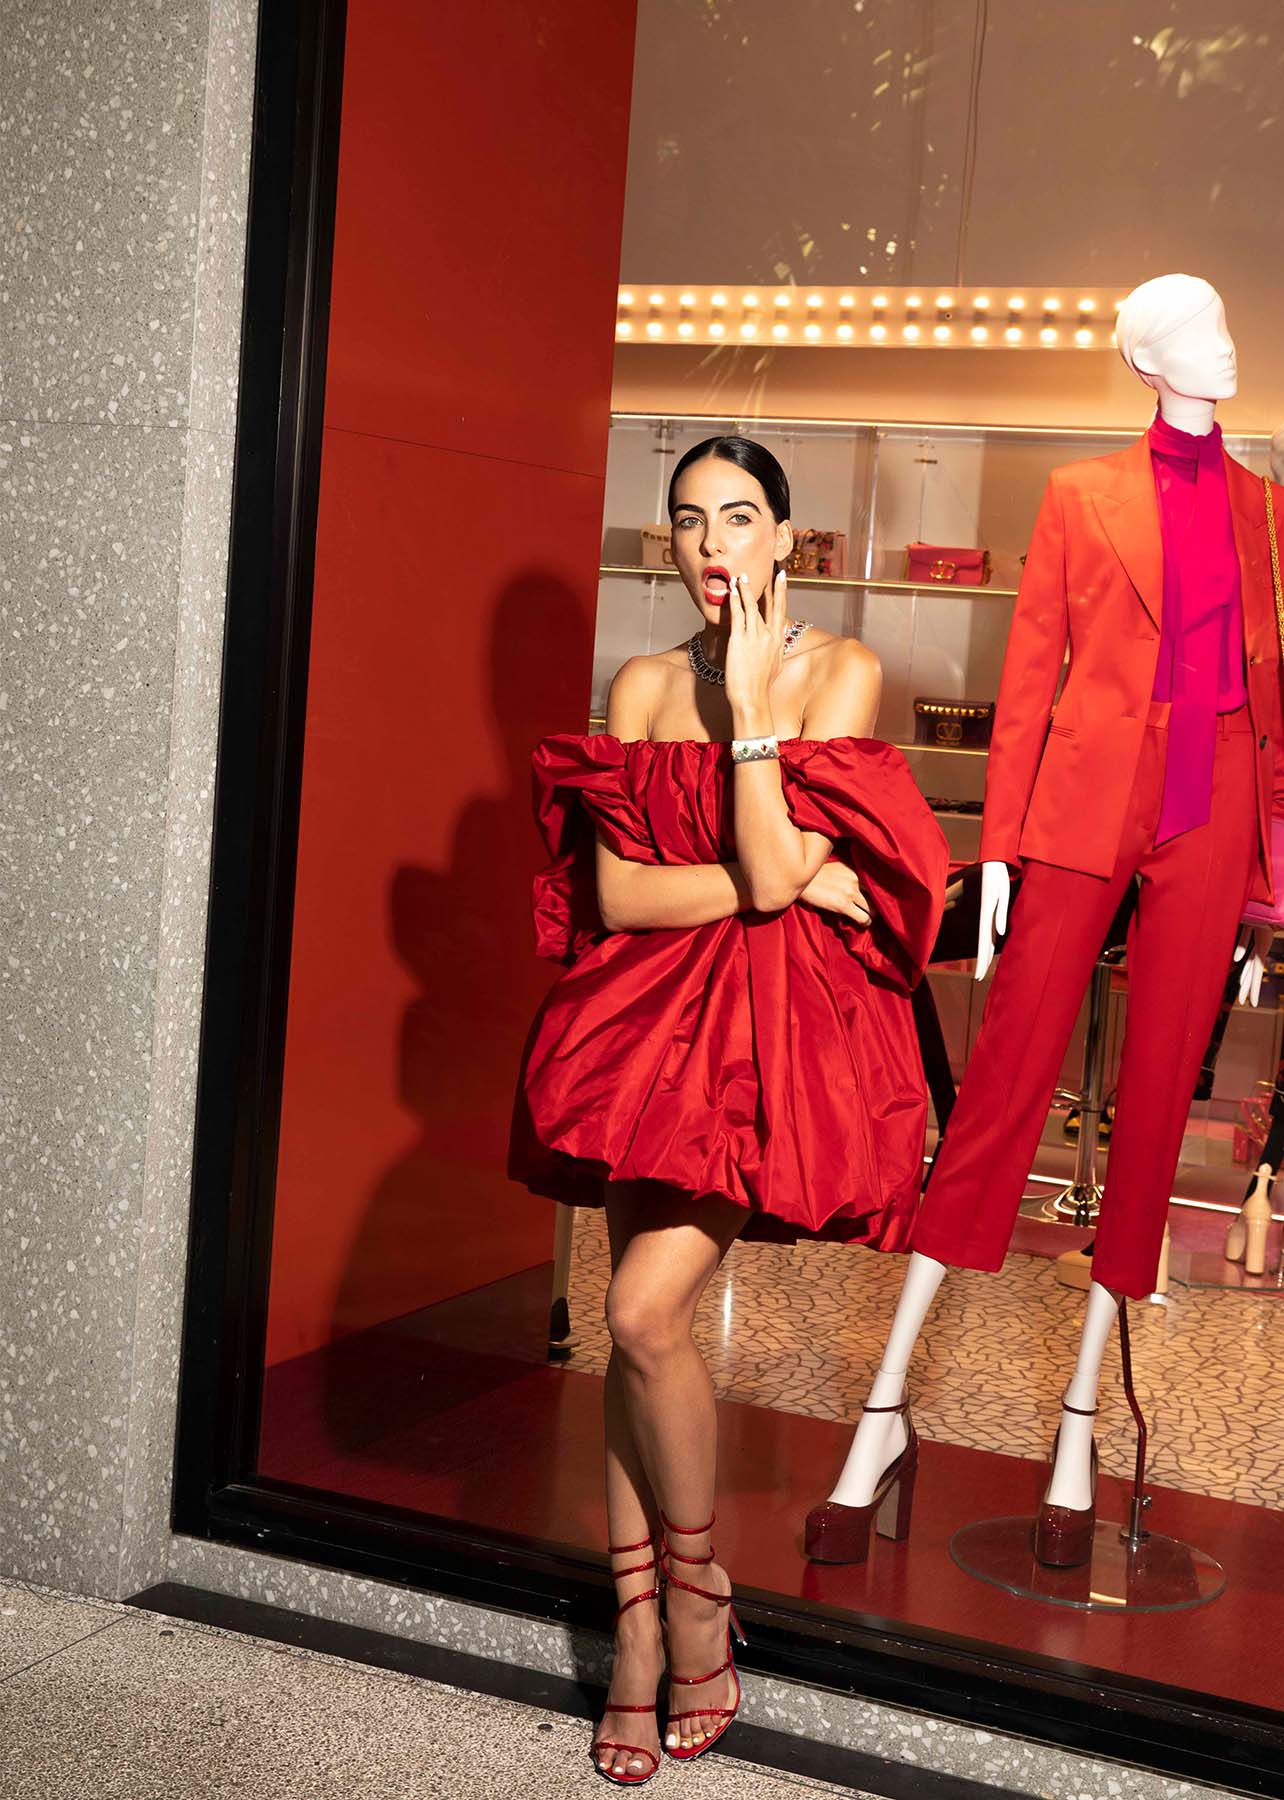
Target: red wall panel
x: 480, y: 193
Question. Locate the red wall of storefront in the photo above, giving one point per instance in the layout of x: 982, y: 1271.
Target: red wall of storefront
x: 481, y: 186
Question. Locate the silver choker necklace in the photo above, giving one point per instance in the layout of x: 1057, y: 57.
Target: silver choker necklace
x: 708, y: 671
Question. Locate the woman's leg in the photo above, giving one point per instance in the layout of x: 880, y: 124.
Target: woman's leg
x: 661, y: 1425
x: 632, y: 1518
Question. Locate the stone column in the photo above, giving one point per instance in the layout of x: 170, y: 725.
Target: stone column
x: 124, y: 157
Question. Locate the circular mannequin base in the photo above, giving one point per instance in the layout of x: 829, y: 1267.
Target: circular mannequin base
x: 1161, y: 1574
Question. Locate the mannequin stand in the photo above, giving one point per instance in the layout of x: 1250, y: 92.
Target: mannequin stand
x: 1080, y: 1201
x: 1130, y: 1569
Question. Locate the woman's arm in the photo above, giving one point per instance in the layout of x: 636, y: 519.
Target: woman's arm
x: 778, y: 860
x: 641, y: 896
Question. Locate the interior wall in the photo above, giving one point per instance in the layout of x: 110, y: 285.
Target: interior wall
x: 833, y: 143
x: 466, y: 417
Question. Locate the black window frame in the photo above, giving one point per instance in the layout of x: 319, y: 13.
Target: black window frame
x: 217, y: 1494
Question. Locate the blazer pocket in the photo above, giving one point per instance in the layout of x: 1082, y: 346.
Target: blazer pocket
x: 1055, y: 730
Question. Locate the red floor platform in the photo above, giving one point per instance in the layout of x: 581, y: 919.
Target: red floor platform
x: 454, y: 1412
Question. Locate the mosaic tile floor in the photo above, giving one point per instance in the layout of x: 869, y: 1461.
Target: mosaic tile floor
x: 801, y: 1327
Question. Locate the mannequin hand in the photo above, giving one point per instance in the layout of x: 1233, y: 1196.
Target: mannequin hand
x: 996, y: 884
x: 756, y: 647
x: 1252, y: 952
x: 835, y: 888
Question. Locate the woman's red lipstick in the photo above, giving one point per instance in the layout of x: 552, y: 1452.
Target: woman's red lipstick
x: 716, y: 584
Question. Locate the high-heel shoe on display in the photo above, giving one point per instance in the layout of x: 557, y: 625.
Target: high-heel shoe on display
x: 840, y: 1534
x: 600, y: 1744
x: 726, y: 1713
x: 1063, y: 1534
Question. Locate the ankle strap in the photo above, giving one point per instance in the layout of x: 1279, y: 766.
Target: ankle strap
x: 903, y: 1407
x: 1083, y: 1412
x: 686, y: 1530
x: 625, y: 1549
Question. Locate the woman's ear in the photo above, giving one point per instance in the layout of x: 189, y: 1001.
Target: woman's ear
x: 784, y: 540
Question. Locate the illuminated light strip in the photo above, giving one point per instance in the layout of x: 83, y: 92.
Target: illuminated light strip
x: 870, y: 317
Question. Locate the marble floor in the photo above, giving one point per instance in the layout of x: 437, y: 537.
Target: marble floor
x: 800, y: 1328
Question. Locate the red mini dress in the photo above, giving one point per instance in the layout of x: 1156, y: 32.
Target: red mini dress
x: 770, y: 1058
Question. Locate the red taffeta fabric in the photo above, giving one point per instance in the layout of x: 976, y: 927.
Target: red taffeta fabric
x: 769, y: 1057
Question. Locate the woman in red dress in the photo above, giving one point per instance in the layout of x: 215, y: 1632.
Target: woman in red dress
x: 745, y: 887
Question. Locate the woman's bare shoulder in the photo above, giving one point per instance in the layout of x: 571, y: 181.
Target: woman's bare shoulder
x: 833, y: 653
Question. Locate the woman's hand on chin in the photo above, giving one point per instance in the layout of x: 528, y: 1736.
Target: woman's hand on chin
x: 755, y: 648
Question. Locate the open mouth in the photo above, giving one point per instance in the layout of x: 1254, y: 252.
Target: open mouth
x: 716, y: 582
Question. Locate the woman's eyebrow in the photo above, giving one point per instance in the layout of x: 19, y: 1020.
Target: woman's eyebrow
x: 727, y: 506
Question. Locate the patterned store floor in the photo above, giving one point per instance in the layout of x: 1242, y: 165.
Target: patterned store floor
x: 800, y: 1328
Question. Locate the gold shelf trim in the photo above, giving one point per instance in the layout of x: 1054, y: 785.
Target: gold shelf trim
x: 836, y: 581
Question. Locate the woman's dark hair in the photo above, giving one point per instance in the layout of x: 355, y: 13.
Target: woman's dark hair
x: 746, y: 455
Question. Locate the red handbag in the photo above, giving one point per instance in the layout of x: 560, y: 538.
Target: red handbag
x: 1271, y: 912
x: 937, y: 562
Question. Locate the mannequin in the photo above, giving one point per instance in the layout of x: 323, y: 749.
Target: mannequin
x: 1088, y: 805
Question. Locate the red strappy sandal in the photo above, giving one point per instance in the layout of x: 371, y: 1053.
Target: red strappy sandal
x: 600, y: 1744
x: 726, y: 1713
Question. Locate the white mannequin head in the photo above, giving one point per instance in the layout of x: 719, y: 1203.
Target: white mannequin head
x: 1172, y: 333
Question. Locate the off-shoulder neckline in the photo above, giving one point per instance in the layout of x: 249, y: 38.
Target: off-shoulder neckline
x: 719, y: 743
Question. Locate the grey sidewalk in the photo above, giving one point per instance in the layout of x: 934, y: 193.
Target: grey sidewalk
x: 104, y: 1702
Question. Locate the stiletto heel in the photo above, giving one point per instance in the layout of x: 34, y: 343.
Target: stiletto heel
x: 840, y: 1534
x: 1063, y: 1534
x: 726, y: 1713
x: 599, y: 1744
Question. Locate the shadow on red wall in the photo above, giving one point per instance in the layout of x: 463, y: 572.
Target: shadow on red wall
x: 436, y: 1213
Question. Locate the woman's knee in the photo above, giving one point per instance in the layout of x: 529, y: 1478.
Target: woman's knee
x: 645, y: 1327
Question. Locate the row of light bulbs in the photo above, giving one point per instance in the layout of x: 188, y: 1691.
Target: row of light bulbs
x: 875, y: 317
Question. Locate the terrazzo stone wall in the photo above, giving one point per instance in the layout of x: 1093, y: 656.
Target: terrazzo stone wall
x: 124, y: 153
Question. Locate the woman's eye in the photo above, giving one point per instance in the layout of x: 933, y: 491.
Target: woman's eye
x: 689, y: 520
x: 741, y: 519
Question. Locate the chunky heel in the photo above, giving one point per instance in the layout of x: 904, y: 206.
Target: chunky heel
x: 841, y: 1534
x: 1255, y: 1246
x: 893, y: 1517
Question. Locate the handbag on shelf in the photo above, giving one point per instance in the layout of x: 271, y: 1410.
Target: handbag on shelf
x: 657, y: 546
x: 1271, y: 912
x: 953, y: 724
x: 967, y: 567
x: 818, y: 553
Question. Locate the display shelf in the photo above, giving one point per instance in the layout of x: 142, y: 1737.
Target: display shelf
x: 863, y: 583
x: 884, y: 484
x: 942, y: 749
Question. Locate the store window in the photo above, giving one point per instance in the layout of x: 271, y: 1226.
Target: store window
x: 863, y: 237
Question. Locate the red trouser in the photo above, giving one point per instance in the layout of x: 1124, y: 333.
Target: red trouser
x: 1179, y: 953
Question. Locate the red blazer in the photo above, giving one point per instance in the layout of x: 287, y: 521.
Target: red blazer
x: 1057, y: 788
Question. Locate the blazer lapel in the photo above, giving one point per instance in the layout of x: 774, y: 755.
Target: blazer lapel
x: 1248, y: 516
x: 1129, y: 515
